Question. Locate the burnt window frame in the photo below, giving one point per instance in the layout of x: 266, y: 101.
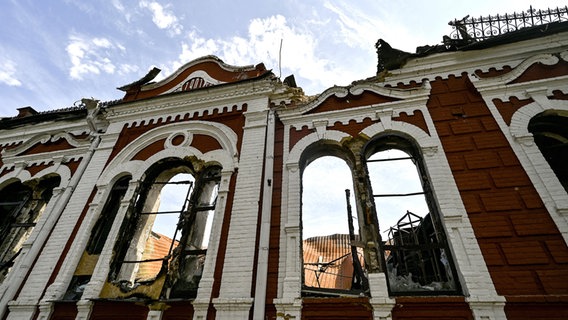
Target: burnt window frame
x: 102, y: 227
x: 98, y: 236
x: 405, y: 144
x: 202, y: 176
x: 35, y: 196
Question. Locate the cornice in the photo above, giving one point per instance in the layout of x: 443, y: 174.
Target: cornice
x: 208, y: 100
x: 457, y: 63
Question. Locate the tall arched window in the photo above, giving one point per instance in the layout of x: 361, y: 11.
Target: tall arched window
x: 416, y: 256
x: 332, y: 261
x: 99, y: 234
x: 165, y: 236
x: 104, y: 223
x: 21, y: 205
x: 550, y: 132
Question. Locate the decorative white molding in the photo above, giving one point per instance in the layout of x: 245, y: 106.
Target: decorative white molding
x: 564, y: 55
x: 84, y: 308
x: 208, y: 81
x: 255, y: 119
x: 294, y: 155
x: 43, y: 139
x: 320, y: 126
x: 226, y: 137
x: 288, y: 309
x: 385, y: 115
x: 209, y: 58
x: 165, y: 108
x: 546, y: 59
x: 233, y: 308
x: 406, y: 100
x: 526, y: 140
x: 429, y: 151
x: 186, y: 142
x: 487, y: 310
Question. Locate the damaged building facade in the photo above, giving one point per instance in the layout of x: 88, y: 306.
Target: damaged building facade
x: 183, y: 199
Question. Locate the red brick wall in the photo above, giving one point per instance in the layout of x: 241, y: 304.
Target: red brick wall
x: 274, y: 243
x: 431, y: 308
x: 524, y: 251
x: 119, y: 310
x: 64, y: 311
x: 336, y: 309
x: 178, y: 310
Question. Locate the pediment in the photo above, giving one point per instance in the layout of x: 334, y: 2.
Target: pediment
x: 204, y: 72
x: 356, y: 96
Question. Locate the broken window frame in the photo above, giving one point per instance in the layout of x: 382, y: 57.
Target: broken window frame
x: 98, y: 237
x: 102, y: 227
x: 359, y: 282
x: 441, y: 248
x: 174, y: 262
x: 18, y: 223
x: 550, y: 134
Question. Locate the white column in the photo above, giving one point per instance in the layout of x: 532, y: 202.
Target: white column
x: 235, y: 301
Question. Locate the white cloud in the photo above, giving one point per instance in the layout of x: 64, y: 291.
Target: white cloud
x: 162, y: 18
x: 197, y: 47
x: 356, y: 28
x: 300, y: 52
x: 127, y: 68
x: 7, y: 74
x: 102, y: 42
x: 93, y: 56
x: 362, y: 29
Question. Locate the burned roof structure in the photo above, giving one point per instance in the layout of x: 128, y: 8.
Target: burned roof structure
x: 479, y: 33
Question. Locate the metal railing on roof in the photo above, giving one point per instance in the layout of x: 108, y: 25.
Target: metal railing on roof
x: 482, y: 28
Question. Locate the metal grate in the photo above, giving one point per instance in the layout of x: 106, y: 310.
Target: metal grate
x: 482, y: 28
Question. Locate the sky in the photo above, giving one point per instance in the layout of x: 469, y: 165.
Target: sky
x: 53, y: 53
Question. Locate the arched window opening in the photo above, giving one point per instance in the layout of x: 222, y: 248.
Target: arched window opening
x: 21, y: 206
x: 97, y: 240
x: 550, y: 132
x: 167, y: 230
x: 104, y: 223
x: 415, y: 251
x: 333, y: 262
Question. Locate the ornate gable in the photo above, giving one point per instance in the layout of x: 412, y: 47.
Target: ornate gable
x: 204, y: 72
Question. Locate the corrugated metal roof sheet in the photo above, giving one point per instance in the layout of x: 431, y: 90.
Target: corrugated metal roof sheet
x: 157, y: 246
x: 328, y: 262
